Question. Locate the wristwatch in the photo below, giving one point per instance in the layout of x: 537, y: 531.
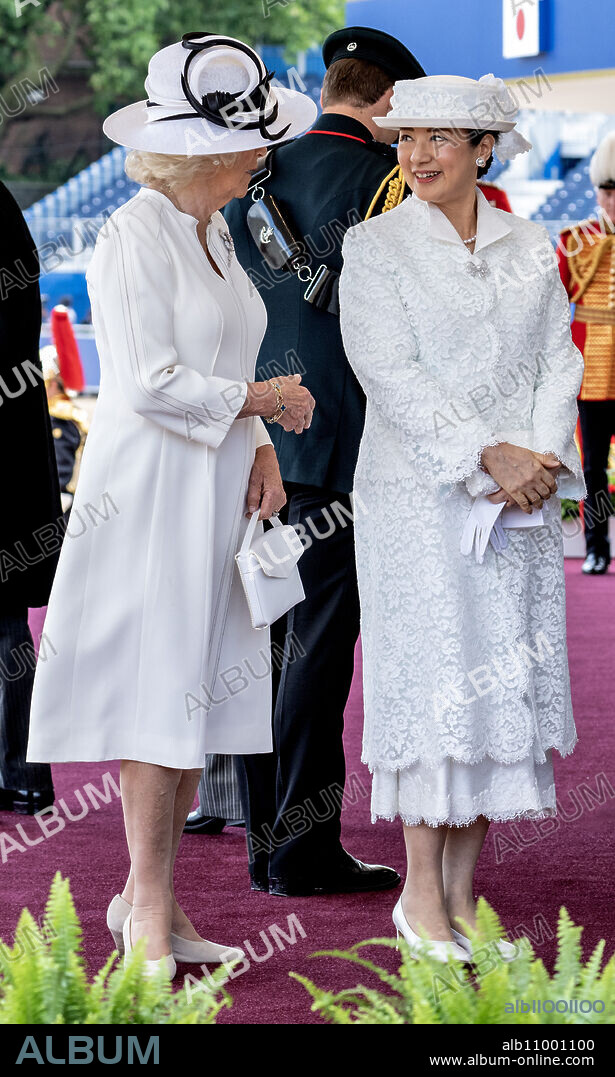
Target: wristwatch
x: 280, y: 405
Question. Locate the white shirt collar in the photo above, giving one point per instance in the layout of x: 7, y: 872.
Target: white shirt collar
x: 150, y: 192
x: 491, y: 223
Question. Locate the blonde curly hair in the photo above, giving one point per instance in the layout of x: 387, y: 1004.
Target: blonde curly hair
x: 171, y: 170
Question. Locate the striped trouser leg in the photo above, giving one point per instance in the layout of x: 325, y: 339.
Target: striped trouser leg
x: 218, y: 789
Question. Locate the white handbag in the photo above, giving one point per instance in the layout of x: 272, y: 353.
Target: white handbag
x: 269, y: 573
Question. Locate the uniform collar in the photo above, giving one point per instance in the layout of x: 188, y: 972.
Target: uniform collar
x: 491, y: 223
x: 342, y: 125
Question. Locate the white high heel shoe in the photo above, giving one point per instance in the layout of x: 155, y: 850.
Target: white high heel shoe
x: 441, y: 950
x: 506, y: 950
x: 186, y: 951
x: 203, y: 952
x: 165, y: 962
x: 117, y: 912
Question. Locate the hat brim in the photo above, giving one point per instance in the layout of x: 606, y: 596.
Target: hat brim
x: 132, y: 127
x: 396, y: 123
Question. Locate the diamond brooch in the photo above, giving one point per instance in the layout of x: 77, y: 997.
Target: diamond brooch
x: 478, y: 269
x: 227, y: 239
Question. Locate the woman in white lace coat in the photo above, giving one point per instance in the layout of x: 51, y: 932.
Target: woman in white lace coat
x: 456, y: 324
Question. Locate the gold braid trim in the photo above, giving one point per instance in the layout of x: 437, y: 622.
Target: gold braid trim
x: 72, y: 485
x: 395, y: 192
x: 582, y: 269
x: 62, y: 408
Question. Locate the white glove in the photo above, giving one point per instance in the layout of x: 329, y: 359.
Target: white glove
x: 478, y: 527
x: 498, y: 537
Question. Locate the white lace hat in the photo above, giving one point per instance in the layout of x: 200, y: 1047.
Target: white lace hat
x: 452, y: 101
x: 210, y: 94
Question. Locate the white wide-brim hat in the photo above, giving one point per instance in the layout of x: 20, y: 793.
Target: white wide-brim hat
x: 452, y: 101
x: 210, y: 94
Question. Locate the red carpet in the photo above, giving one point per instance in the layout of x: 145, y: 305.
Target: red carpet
x: 526, y: 872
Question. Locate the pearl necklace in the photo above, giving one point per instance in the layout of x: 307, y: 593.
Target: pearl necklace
x: 470, y: 240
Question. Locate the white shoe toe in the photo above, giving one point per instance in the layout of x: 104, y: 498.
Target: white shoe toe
x: 203, y: 952
x: 507, y: 951
x: 439, y: 949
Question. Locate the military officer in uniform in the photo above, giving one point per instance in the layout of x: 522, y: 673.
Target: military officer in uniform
x: 586, y: 254
x: 69, y: 426
x: 340, y: 172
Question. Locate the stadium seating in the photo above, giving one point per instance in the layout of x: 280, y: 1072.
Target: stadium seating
x: 573, y: 201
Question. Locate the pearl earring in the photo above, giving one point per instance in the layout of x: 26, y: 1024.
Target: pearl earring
x: 480, y: 161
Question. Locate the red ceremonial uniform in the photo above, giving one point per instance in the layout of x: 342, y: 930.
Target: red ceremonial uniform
x: 586, y: 257
x: 495, y: 196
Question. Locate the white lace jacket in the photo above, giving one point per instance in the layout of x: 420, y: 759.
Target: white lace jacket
x: 456, y: 352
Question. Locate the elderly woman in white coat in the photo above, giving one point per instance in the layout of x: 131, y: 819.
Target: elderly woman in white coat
x: 456, y: 324
x: 147, y: 613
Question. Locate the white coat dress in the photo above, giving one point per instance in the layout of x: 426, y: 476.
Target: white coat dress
x: 466, y: 682
x: 150, y: 653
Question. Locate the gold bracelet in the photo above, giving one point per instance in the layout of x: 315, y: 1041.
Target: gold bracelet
x: 279, y: 401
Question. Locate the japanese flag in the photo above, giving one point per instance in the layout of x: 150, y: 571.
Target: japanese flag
x: 520, y: 28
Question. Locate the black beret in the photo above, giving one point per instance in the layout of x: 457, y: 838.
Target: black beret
x: 363, y: 43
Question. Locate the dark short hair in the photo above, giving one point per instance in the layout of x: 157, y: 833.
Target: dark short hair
x: 354, y: 82
x: 475, y: 138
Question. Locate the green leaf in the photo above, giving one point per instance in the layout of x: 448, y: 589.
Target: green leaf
x: 424, y: 991
x: 43, y: 979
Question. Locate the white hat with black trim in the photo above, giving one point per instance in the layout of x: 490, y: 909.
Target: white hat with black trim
x: 210, y: 94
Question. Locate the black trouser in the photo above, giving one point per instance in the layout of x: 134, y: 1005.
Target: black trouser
x: 597, y: 428
x: 292, y: 796
x: 16, y: 680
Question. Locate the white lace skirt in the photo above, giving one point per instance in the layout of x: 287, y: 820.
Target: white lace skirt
x: 457, y: 793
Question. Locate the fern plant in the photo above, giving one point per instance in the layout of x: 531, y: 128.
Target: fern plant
x: 43, y: 979
x: 423, y: 991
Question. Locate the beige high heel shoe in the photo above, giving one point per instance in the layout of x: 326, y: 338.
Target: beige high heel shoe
x: 186, y: 951
x: 166, y: 962
x: 117, y: 912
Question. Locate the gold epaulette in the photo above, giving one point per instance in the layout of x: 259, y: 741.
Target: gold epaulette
x: 60, y: 408
x: 584, y: 259
x: 395, y: 184
x: 587, y: 223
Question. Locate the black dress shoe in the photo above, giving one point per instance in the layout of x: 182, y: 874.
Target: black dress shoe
x: 203, y: 824
x: 26, y: 801
x: 346, y: 876
x: 259, y: 883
